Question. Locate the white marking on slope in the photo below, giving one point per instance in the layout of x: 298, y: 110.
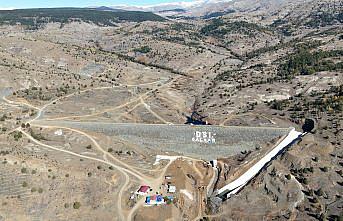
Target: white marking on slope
x: 241, y: 181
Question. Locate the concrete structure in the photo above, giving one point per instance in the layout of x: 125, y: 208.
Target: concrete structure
x: 178, y: 139
x: 171, y: 189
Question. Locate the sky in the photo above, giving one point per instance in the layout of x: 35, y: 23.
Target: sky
x: 10, y: 4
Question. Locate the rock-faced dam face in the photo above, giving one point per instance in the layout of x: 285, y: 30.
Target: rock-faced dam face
x: 202, y: 142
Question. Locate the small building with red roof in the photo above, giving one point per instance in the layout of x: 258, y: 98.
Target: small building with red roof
x: 143, y: 190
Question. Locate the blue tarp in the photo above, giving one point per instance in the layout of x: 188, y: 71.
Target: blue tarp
x: 159, y: 198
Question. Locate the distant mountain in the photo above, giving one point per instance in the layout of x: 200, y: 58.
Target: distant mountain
x: 105, y: 8
x: 213, y: 8
x: 103, y: 16
x: 173, y: 10
x: 184, y: 8
x: 159, y: 7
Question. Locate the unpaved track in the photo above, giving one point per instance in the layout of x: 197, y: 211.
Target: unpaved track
x: 136, y: 99
x: 125, y: 169
x: 133, y: 172
x: 152, y: 112
x: 122, y: 170
x: 152, y: 182
x: 18, y: 103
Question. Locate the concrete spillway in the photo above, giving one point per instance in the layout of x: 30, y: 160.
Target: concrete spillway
x: 202, y: 142
x: 241, y: 181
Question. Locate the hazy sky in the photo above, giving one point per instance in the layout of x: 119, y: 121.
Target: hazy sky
x: 76, y: 3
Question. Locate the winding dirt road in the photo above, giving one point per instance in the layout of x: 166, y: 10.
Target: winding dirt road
x: 129, y: 172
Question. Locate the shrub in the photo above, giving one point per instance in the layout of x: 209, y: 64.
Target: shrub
x: 320, y: 192
x: 325, y: 169
x: 305, y: 181
x: 23, y: 170
x: 76, y: 205
x: 3, y: 118
x: 144, y: 49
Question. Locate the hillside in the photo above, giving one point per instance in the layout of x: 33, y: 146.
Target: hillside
x: 35, y: 18
x: 95, y: 103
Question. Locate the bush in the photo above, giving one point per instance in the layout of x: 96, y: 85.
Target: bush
x: 144, y: 49
x: 288, y: 176
x: 315, y: 200
x: 3, y: 118
x: 303, y: 180
x: 37, y: 136
x: 325, y: 169
x: 320, y: 192
x: 76, y: 205
x: 23, y: 170
x: 24, y: 184
x: 17, y: 135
